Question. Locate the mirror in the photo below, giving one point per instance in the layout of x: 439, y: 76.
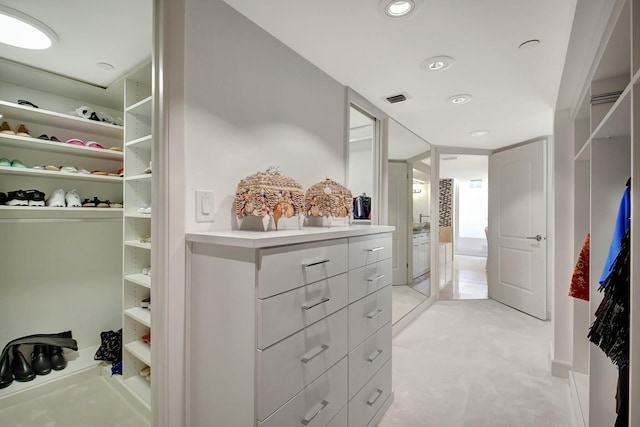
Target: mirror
x: 362, y: 165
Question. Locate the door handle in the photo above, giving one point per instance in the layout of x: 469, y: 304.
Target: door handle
x: 537, y: 237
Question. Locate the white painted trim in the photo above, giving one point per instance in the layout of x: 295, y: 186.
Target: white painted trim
x: 560, y: 368
x: 580, y: 419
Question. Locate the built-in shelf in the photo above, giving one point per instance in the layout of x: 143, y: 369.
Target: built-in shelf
x: 142, y: 107
x: 137, y: 244
x: 140, y: 350
x: 18, y: 112
x: 141, y: 177
x: 140, y: 386
x: 617, y: 120
x: 58, y: 147
x: 585, y: 152
x: 137, y: 215
x: 145, y: 142
x: 140, y: 315
x: 8, y: 170
x: 51, y: 212
x: 139, y: 279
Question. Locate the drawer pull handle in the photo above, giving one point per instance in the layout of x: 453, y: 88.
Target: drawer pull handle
x: 307, y: 419
x: 308, y: 307
x: 374, y: 313
x: 373, y: 356
x: 324, y: 261
x: 375, y: 279
x: 373, y: 400
x: 379, y: 248
x: 314, y: 353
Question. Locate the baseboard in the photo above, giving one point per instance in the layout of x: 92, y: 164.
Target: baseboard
x: 133, y: 398
x: 408, y: 318
x: 560, y: 368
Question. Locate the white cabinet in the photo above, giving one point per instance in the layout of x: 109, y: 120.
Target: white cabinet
x: 421, y: 254
x: 301, y: 331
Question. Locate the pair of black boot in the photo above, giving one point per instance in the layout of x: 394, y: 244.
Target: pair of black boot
x: 46, y: 355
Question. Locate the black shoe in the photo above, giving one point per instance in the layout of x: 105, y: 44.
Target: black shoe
x: 35, y: 197
x: 94, y: 116
x: 6, y: 377
x: 17, y: 198
x: 40, y: 362
x: 3, y: 198
x: 57, y: 359
x: 20, y: 367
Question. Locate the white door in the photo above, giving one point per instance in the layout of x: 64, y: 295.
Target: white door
x: 398, y: 215
x: 517, y: 267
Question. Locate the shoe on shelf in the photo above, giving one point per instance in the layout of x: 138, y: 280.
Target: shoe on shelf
x: 40, y: 362
x: 15, y: 163
x: 27, y: 103
x: 35, y: 197
x: 20, y: 367
x: 3, y: 200
x: 148, y: 170
x: 56, y: 358
x: 88, y: 203
x: 147, y: 271
x: 115, y: 149
x: 17, y: 198
x: 146, y: 239
x: 52, y: 168
x: 145, y: 209
x: 22, y: 131
x: 56, y: 200
x: 101, y: 203
x: 83, y: 170
x: 94, y: 117
x: 146, y: 303
x: 6, y: 376
x: 68, y: 169
x: 5, y: 162
x: 116, y: 205
x: 83, y: 111
x: 73, y: 199
x: 5, y: 128
x: 93, y: 144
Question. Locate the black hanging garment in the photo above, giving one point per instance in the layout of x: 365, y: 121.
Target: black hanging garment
x: 362, y: 207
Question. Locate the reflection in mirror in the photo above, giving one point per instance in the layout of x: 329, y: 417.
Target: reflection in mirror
x: 362, y: 161
x: 421, y: 227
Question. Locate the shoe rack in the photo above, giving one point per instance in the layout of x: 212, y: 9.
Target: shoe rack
x: 138, y: 145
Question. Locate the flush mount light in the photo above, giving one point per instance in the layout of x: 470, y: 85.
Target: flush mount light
x: 529, y: 44
x: 105, y: 65
x: 437, y: 63
x: 479, y: 133
x: 20, y: 30
x: 459, y: 99
x: 397, y: 8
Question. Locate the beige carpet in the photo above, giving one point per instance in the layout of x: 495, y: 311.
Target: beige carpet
x: 476, y: 364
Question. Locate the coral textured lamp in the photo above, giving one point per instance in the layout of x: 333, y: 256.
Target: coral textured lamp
x: 21, y: 30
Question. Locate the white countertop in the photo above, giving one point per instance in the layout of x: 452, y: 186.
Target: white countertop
x: 264, y: 239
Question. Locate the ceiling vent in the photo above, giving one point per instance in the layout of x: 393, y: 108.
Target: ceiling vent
x: 393, y: 99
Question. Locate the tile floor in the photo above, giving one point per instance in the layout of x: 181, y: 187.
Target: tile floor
x: 467, y: 279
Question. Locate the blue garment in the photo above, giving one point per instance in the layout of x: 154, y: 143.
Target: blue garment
x: 623, y: 222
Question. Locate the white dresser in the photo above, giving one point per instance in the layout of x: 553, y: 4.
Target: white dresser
x: 289, y: 328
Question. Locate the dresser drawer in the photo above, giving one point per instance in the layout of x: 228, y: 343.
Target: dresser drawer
x: 283, y: 314
x: 317, y: 404
x: 365, y: 250
x: 371, y: 397
x: 368, y: 279
x: 368, y: 357
x: 341, y: 419
x: 287, y: 267
x: 288, y: 366
x: 368, y: 315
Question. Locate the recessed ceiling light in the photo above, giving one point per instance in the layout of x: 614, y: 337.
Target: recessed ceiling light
x: 20, y: 30
x: 397, y: 8
x: 437, y: 63
x: 105, y: 65
x: 480, y: 133
x: 459, y: 99
x: 529, y: 44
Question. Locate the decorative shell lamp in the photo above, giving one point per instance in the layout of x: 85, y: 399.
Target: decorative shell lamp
x: 327, y: 201
x: 267, y: 195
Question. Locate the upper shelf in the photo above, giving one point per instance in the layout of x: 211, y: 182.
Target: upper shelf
x: 617, y: 121
x: 18, y: 112
x: 142, y: 107
x: 65, y: 175
x: 58, y: 147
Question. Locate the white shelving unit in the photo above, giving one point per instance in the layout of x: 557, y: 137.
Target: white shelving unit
x: 138, y: 145
x: 607, y: 144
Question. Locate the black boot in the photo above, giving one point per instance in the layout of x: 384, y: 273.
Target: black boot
x: 40, y: 360
x: 6, y: 377
x: 58, y: 361
x: 20, y: 367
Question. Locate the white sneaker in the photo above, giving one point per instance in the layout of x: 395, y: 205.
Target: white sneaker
x: 73, y: 199
x: 56, y: 200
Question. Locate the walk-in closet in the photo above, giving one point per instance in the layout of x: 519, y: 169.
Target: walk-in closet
x: 76, y: 211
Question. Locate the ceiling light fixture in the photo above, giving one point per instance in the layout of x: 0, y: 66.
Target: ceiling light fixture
x: 105, y: 65
x: 21, y: 30
x: 397, y: 8
x: 437, y: 63
x: 478, y: 133
x: 459, y: 99
x: 529, y: 44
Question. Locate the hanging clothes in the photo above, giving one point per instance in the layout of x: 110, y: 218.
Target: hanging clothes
x: 362, y: 207
x: 622, y: 225
x: 580, y: 279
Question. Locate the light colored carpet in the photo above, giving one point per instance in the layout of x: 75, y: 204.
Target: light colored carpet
x: 476, y: 364
x: 89, y: 403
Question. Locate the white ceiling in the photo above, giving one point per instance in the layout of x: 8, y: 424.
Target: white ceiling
x: 464, y: 167
x: 115, y: 31
x: 514, y: 91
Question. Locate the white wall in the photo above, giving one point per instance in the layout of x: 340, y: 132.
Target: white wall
x: 251, y: 102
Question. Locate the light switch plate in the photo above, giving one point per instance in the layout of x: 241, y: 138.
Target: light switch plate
x: 204, y: 206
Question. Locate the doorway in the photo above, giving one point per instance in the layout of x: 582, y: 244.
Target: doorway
x: 463, y: 226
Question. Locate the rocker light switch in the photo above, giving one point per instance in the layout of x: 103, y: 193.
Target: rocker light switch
x: 204, y: 206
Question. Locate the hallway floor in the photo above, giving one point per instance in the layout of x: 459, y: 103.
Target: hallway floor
x: 468, y: 281
x: 476, y: 364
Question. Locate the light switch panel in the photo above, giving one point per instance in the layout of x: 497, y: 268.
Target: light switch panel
x: 204, y: 206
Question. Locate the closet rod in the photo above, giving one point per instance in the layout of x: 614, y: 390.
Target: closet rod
x: 49, y: 220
